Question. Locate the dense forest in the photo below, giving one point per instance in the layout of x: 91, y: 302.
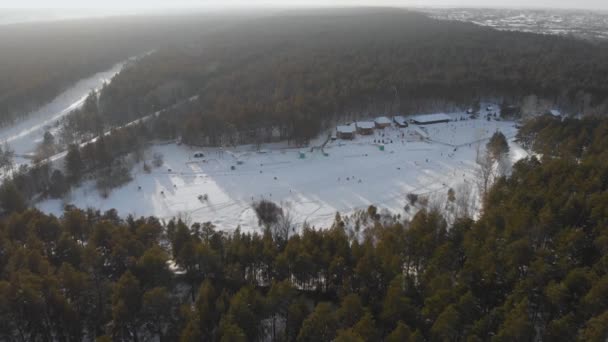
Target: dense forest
x: 40, y: 60
x: 533, y: 266
x: 301, y: 71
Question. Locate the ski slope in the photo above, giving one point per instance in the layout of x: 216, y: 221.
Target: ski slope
x: 353, y: 175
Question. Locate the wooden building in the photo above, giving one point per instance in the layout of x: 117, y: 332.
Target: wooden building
x: 382, y: 122
x: 365, y: 127
x: 345, y: 132
x: 429, y: 119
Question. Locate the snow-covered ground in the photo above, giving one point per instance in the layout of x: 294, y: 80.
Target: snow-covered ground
x: 25, y: 135
x: 353, y: 175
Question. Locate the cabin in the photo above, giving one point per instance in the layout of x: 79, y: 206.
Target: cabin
x: 365, y: 127
x: 400, y: 121
x: 382, y: 122
x: 430, y: 119
x: 345, y: 132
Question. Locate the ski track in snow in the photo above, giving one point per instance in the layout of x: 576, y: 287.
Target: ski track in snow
x: 26, y: 134
x: 314, y: 187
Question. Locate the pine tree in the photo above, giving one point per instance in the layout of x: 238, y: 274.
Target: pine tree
x: 498, y: 146
x: 401, y: 333
x: 320, y: 325
x: 74, y: 165
x: 11, y: 200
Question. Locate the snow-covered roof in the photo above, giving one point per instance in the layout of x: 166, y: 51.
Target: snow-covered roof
x: 399, y: 119
x: 431, y: 117
x: 555, y: 112
x: 345, y: 129
x: 382, y: 120
x: 365, y: 124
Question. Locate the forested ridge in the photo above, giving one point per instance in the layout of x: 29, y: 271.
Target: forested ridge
x: 301, y: 71
x: 533, y: 266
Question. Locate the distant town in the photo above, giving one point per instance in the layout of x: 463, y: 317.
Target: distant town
x: 588, y: 25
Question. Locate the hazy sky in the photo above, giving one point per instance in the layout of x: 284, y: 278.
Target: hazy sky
x: 156, y: 4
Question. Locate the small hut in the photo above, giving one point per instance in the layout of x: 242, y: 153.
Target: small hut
x: 345, y: 132
x: 365, y: 127
x: 382, y: 122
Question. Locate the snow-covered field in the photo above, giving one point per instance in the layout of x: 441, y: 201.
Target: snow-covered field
x: 351, y: 175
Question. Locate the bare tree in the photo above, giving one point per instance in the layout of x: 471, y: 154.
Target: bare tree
x: 504, y: 166
x: 463, y: 201
x: 529, y: 107
x: 484, y: 173
x: 267, y: 212
x: 285, y: 225
x: 185, y: 217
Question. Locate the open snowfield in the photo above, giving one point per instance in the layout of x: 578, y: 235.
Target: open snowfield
x: 354, y: 175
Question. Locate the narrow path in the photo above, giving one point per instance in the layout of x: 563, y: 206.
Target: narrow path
x: 61, y: 155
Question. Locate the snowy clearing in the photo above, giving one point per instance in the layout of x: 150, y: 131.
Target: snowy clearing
x: 346, y: 176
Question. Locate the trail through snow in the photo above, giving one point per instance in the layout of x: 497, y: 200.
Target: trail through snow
x: 24, y: 136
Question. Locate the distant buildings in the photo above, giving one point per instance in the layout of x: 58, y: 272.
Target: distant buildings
x: 429, y: 119
x: 348, y: 132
